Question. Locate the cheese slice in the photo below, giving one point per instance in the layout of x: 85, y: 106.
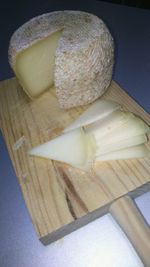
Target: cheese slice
x: 122, y: 144
x: 99, y: 110
x: 75, y: 148
x: 73, y: 50
x: 35, y: 65
x: 134, y: 152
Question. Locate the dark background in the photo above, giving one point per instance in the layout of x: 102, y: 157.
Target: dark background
x: 136, y: 3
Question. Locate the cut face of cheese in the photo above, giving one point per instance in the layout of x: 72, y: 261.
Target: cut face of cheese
x: 35, y: 65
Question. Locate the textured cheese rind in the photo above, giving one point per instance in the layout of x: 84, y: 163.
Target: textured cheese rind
x: 84, y: 56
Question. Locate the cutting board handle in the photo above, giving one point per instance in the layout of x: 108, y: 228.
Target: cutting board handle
x: 133, y: 224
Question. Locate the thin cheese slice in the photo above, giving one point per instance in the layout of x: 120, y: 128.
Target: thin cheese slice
x: 121, y: 144
x: 140, y: 151
x: 100, y: 109
x: 35, y: 65
x: 70, y: 148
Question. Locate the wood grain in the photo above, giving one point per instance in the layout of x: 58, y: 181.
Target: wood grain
x: 61, y: 198
x: 133, y: 224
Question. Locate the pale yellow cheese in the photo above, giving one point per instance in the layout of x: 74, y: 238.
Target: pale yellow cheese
x: 75, y: 148
x: 35, y: 65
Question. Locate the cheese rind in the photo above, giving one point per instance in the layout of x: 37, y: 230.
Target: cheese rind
x: 83, y: 57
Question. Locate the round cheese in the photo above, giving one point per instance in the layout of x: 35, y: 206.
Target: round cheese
x: 78, y: 60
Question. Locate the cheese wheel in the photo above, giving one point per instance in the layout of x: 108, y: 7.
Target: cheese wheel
x: 72, y: 50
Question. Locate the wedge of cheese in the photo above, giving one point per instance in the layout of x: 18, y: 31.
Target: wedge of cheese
x: 75, y: 148
x: 71, y: 50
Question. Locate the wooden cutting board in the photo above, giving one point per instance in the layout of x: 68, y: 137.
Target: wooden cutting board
x: 60, y: 198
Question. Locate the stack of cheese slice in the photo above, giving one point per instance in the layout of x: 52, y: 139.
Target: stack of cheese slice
x: 102, y: 132
x: 71, y: 50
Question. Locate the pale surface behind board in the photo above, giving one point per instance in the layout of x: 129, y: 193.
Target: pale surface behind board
x: 56, y: 194
x: 100, y: 244
x: 143, y: 203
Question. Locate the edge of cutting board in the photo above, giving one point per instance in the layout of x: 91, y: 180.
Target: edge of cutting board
x: 84, y: 220
x: 49, y: 213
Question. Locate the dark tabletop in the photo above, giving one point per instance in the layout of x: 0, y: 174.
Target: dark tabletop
x: 19, y: 245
